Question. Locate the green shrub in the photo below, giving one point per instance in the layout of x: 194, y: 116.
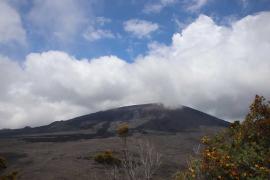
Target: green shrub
x: 240, y: 152
x: 107, y: 158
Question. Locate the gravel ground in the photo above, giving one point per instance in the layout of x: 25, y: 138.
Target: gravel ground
x: 73, y: 160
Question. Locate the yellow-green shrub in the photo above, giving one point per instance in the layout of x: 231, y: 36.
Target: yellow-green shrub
x: 122, y: 130
x: 107, y: 158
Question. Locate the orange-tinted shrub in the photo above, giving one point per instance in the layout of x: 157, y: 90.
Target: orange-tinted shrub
x: 241, y: 152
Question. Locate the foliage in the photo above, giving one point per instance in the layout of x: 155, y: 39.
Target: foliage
x: 240, y: 152
x: 107, y: 158
x: 10, y: 176
x: 2, y: 163
x: 122, y: 130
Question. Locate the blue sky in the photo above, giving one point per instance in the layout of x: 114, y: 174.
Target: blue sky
x: 65, y: 58
x: 171, y: 16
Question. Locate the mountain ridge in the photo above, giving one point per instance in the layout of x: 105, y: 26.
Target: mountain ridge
x: 141, y: 118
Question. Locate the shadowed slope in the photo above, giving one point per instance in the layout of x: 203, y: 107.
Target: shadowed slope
x: 141, y: 118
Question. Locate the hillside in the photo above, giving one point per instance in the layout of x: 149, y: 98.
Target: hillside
x: 65, y: 149
x: 143, y: 118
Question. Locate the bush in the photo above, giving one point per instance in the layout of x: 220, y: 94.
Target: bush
x: 2, y: 163
x: 107, y: 158
x: 240, y: 152
x: 10, y: 176
x: 122, y: 130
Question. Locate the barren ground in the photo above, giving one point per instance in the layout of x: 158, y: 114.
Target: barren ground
x: 74, y: 159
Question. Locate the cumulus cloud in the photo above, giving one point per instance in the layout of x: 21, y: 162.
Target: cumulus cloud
x: 140, y: 28
x: 11, y: 28
x: 157, y: 6
x: 213, y: 68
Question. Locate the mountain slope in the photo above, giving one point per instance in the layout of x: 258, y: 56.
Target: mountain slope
x: 141, y: 118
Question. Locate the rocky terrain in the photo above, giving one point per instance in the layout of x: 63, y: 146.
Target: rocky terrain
x: 65, y: 149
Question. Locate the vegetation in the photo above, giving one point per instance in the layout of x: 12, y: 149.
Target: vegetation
x: 122, y: 130
x: 107, y: 158
x: 144, y: 163
x: 11, y: 176
x: 240, y: 152
x: 2, y: 163
x: 141, y: 163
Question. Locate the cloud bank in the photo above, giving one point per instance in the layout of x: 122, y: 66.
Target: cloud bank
x: 213, y: 68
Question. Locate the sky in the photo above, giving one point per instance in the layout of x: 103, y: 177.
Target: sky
x: 66, y: 58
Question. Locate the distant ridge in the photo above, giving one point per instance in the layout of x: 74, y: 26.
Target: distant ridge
x: 141, y: 118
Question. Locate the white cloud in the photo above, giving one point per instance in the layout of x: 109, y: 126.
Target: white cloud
x: 196, y: 5
x: 140, y: 28
x: 216, y: 69
x: 11, y: 28
x: 96, y: 31
x: 61, y: 19
x: 102, y: 20
x: 157, y: 6
x: 92, y: 34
